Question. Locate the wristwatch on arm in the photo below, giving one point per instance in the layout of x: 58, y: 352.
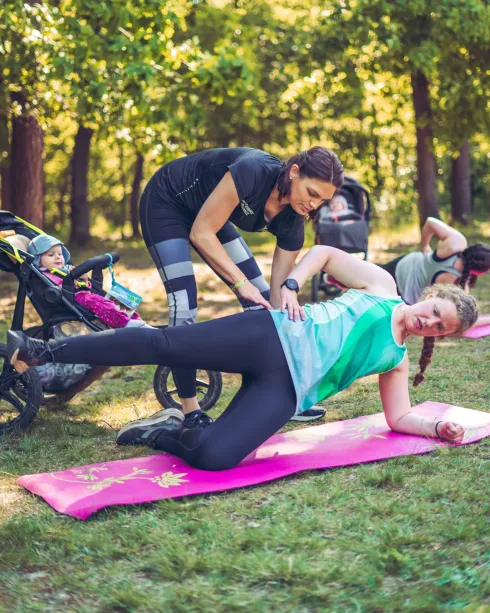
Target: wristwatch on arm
x: 291, y: 284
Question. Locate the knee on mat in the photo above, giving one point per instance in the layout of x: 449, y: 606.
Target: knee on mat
x: 209, y: 459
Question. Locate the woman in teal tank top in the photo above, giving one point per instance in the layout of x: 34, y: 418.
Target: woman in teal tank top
x: 289, y: 358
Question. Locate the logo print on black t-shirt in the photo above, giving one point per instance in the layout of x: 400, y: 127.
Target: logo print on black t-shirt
x: 245, y: 208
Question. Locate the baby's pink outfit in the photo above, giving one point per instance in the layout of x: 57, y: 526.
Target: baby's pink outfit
x: 102, y: 307
x: 106, y: 310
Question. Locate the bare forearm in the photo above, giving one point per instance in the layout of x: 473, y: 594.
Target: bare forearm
x: 427, y: 233
x: 276, y: 281
x: 275, y: 300
x: 216, y: 255
x: 448, y: 236
x: 282, y: 265
x: 310, y: 264
x: 412, y: 423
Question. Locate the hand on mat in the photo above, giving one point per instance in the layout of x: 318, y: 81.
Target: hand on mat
x: 248, y: 291
x: 451, y: 432
x: 289, y: 302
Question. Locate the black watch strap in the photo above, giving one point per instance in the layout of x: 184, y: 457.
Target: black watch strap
x: 291, y: 284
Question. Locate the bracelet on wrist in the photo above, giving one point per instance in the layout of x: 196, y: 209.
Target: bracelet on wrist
x: 238, y: 284
x: 437, y: 433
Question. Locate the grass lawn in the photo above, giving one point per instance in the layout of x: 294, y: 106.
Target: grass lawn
x: 409, y: 534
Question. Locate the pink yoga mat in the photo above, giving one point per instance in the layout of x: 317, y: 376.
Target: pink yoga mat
x: 83, y: 490
x: 478, y: 332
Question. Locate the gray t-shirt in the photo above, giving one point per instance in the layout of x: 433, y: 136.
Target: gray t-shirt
x: 416, y: 271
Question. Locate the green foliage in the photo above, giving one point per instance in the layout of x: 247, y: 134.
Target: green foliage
x: 29, y: 41
x: 167, y: 78
x: 448, y: 41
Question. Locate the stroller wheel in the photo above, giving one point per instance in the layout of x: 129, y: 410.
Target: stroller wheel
x: 209, y: 385
x: 21, y: 395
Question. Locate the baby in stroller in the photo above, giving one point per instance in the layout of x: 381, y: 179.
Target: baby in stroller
x: 344, y: 224
x: 338, y: 210
x: 51, y: 257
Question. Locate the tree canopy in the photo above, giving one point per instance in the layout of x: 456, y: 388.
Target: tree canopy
x: 397, y: 89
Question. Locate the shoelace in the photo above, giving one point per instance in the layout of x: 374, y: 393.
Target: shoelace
x: 51, y: 347
x: 198, y: 421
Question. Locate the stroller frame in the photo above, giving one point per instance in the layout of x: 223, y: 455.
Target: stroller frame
x: 351, y: 238
x: 55, y: 304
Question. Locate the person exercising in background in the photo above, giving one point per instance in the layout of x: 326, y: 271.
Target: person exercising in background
x: 453, y: 261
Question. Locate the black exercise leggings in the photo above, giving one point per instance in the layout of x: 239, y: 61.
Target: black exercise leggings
x: 246, y: 343
x: 166, y: 229
x: 391, y: 266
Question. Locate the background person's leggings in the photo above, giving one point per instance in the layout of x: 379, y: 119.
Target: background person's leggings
x: 391, y: 266
x: 246, y: 343
x: 166, y: 229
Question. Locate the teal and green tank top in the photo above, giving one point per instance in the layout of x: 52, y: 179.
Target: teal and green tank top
x: 340, y: 341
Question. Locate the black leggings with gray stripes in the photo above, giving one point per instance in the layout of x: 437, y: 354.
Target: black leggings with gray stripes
x: 246, y: 343
x: 166, y: 229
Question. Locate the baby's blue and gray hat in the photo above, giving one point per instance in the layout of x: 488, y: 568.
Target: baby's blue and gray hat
x: 42, y: 243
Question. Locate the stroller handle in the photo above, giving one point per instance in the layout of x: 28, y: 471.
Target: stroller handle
x: 98, y: 262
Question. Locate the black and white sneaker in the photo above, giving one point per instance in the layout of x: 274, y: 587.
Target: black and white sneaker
x: 309, y: 414
x: 30, y: 351
x: 144, y: 431
x: 197, y: 419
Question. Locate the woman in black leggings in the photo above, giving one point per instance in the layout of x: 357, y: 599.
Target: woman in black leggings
x: 200, y: 200
x: 287, y: 365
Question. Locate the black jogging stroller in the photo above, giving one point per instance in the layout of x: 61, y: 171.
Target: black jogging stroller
x: 348, y: 231
x: 21, y: 395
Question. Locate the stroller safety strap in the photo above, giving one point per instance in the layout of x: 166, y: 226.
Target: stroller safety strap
x: 60, y: 273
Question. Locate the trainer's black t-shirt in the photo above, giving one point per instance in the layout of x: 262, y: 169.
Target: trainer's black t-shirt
x: 190, y: 180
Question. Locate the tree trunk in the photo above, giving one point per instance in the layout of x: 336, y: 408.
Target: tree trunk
x: 378, y: 182
x: 27, y: 172
x: 124, y: 200
x: 135, y: 193
x: 5, y: 161
x: 80, y: 218
x: 461, y: 185
x: 426, y: 165
x: 6, y: 193
x: 65, y: 182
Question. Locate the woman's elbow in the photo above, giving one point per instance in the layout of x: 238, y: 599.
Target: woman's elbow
x: 391, y: 425
x: 197, y: 234
x: 396, y: 423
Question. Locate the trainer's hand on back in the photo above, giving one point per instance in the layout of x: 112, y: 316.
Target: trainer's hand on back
x: 248, y: 291
x: 450, y: 431
x: 289, y: 303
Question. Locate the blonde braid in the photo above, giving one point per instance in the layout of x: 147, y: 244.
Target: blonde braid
x: 425, y: 359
